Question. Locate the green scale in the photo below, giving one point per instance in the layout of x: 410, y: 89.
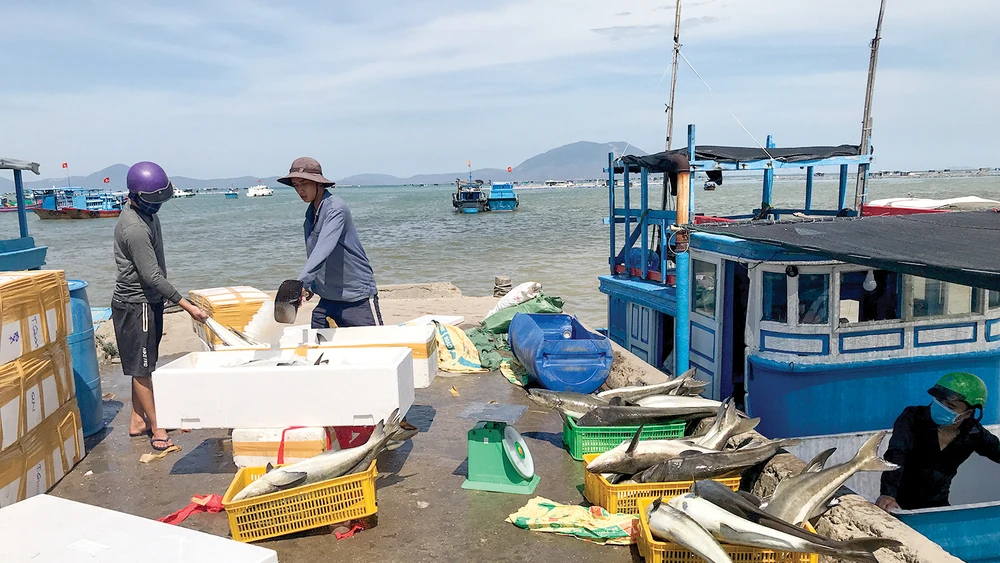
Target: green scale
x: 499, y: 460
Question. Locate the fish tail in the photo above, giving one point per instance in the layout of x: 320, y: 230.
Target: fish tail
x: 868, y: 545
x: 869, y: 454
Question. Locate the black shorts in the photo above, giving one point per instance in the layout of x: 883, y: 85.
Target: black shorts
x: 138, y: 330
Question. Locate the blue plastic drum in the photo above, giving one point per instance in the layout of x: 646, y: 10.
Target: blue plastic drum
x: 560, y: 353
x: 83, y: 351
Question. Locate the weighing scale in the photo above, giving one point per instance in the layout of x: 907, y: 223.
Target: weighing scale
x: 499, y: 460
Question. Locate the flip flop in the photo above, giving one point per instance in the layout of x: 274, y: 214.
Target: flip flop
x: 166, y: 440
x: 143, y: 433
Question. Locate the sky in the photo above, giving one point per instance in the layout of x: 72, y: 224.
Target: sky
x: 223, y: 88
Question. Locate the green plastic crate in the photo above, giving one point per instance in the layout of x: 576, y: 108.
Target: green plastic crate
x: 583, y: 440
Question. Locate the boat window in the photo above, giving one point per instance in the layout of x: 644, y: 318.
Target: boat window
x: 704, y: 288
x: 775, y: 292
x: 879, y: 301
x: 935, y: 298
x: 993, y: 299
x: 814, y: 298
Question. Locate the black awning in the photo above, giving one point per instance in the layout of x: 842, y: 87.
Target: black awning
x: 960, y: 247
x: 677, y: 159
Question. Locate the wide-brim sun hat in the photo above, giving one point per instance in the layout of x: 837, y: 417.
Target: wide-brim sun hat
x: 149, y: 182
x: 308, y: 169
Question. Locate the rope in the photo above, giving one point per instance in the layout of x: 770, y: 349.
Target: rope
x: 696, y: 73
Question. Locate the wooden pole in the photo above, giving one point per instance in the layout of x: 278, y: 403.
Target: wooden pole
x: 861, y: 191
x: 683, y: 196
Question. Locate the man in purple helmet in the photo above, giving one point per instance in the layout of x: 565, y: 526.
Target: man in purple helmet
x: 337, y: 268
x: 140, y: 289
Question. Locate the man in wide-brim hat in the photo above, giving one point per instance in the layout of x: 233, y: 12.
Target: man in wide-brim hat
x: 337, y: 268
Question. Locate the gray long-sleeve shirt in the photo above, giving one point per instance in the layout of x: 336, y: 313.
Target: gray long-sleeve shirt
x: 142, y: 268
x: 336, y: 265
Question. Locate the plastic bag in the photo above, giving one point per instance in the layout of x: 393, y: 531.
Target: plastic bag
x: 519, y: 294
x: 499, y: 322
x: 456, y: 353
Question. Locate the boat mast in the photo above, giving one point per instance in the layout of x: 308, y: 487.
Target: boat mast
x: 861, y: 191
x: 673, y: 74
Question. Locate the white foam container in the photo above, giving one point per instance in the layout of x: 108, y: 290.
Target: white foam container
x: 429, y: 320
x: 358, y: 387
x: 256, y: 447
x: 48, y: 528
x: 419, y: 339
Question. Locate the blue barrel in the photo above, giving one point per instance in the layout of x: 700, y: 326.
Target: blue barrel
x: 83, y: 351
x: 559, y: 353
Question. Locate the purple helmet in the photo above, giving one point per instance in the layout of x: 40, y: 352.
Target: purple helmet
x: 149, y: 182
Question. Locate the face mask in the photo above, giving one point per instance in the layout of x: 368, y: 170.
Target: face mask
x: 144, y: 206
x: 942, y: 415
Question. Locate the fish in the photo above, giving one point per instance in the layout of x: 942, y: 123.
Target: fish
x: 393, y: 443
x: 327, y: 465
x: 727, y: 426
x: 275, y: 362
x: 570, y: 404
x: 732, y: 529
x: 613, y: 415
x: 668, y: 523
x: 800, y: 497
x: 667, y: 401
x: 746, y: 506
x: 635, y: 456
x: 634, y: 393
x: 693, y: 466
x: 690, y: 388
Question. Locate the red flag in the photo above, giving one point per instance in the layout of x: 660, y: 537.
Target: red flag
x: 107, y: 180
x: 65, y: 165
x: 468, y: 163
x: 509, y: 169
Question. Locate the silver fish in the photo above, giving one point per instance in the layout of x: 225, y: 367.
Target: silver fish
x: 327, y: 465
x: 669, y: 524
x: 570, y: 404
x: 613, y: 415
x: 730, y: 528
x: 632, y: 394
x: 635, y: 456
x: 693, y: 466
x: 800, y: 497
x: 668, y: 401
x: 729, y: 425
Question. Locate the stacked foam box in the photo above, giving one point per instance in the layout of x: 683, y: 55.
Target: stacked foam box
x: 255, y: 447
x: 41, y: 436
x: 232, y: 307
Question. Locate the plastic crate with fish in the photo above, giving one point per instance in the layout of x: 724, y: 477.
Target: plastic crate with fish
x: 583, y: 440
x: 299, y: 508
x: 232, y: 307
x: 656, y: 551
x: 625, y: 499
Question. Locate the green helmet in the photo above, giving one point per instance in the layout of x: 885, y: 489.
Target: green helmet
x: 960, y: 385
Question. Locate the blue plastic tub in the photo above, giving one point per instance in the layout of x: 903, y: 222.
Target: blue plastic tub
x: 83, y: 351
x: 559, y: 353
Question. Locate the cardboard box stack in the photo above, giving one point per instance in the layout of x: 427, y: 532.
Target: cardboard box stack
x: 232, y: 307
x: 41, y: 436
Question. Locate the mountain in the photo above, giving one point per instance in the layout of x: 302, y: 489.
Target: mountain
x: 577, y: 161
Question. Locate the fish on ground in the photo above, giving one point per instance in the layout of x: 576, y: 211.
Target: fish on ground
x: 634, y: 456
x: 612, y: 415
x: 799, y: 497
x: 732, y: 529
x: 569, y: 404
x: 669, y: 524
x: 327, y: 465
x: 693, y: 466
x: 632, y: 394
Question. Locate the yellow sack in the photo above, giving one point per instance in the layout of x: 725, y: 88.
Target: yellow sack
x: 592, y: 524
x: 456, y: 352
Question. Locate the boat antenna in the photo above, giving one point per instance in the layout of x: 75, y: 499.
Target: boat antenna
x: 861, y: 191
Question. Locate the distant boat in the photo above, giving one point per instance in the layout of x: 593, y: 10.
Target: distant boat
x: 183, y: 193
x: 259, y: 191
x: 8, y: 203
x: 78, y: 203
x: 710, y: 186
x: 232, y: 193
x: 502, y: 197
x: 469, y: 197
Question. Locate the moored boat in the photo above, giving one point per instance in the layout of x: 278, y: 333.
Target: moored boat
x: 78, y: 203
x: 259, y: 191
x: 502, y: 197
x: 469, y: 197
x: 183, y: 193
x: 232, y: 193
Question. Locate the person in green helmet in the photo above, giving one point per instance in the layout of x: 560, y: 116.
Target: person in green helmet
x: 929, y: 443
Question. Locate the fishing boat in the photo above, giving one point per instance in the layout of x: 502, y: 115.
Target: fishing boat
x: 77, y: 203
x: 469, y: 197
x: 709, y: 186
x: 183, y: 193
x: 21, y: 253
x: 259, y: 191
x: 502, y: 197
x: 232, y: 193
x: 8, y: 203
x: 824, y: 322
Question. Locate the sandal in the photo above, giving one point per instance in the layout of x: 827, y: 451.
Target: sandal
x: 153, y: 441
x: 143, y: 433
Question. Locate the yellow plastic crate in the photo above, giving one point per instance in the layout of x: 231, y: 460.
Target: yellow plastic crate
x: 300, y: 508
x: 655, y: 551
x: 623, y: 499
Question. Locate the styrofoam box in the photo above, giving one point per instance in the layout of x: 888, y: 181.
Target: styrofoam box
x: 358, y: 387
x: 419, y: 339
x: 453, y: 320
x: 257, y: 447
x: 48, y: 528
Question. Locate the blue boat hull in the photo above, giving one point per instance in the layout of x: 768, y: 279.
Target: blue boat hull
x: 854, y: 396
x: 970, y: 532
x: 503, y: 204
x: 580, y: 363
